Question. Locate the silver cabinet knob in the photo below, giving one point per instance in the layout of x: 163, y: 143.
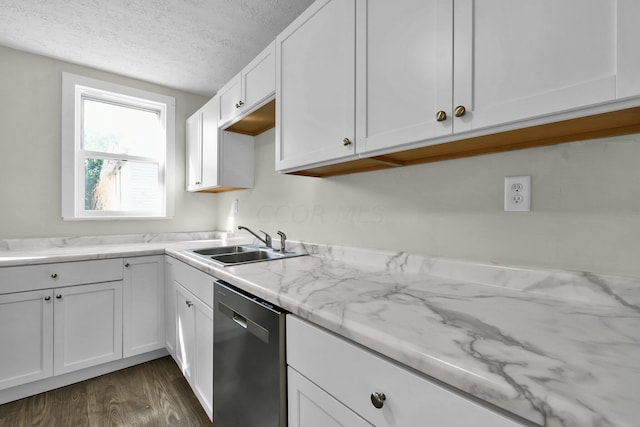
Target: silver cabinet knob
x: 54, y: 276
x: 377, y: 399
x: 47, y: 298
x: 189, y: 304
x: 346, y: 142
x: 58, y: 296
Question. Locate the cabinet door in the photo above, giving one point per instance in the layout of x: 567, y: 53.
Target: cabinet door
x: 143, y: 305
x: 210, y: 144
x: 170, y: 308
x: 310, y: 406
x: 230, y: 100
x: 628, y: 55
x: 26, y: 337
x: 259, y: 78
x: 315, y: 86
x: 185, y: 331
x: 520, y: 59
x: 87, y: 326
x: 203, y: 355
x: 194, y: 151
x: 404, y: 65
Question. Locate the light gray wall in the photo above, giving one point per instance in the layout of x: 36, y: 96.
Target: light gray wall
x: 30, y: 103
x: 586, y: 207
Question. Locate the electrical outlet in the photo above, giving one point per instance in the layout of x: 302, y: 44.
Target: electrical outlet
x: 517, y: 193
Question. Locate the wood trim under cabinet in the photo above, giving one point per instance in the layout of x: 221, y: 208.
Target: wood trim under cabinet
x: 262, y: 119
x: 615, y: 123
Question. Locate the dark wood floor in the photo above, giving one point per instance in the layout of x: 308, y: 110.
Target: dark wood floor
x: 151, y: 394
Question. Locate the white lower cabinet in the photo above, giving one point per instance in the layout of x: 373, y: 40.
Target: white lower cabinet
x: 87, y: 324
x: 58, y: 318
x: 143, y: 305
x: 342, y: 373
x: 26, y: 334
x: 191, y: 305
x: 310, y: 406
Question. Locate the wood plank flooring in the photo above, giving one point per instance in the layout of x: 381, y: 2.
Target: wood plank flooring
x: 151, y: 394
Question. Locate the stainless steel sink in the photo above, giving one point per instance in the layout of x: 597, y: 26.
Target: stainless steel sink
x: 244, y: 254
x: 224, y: 250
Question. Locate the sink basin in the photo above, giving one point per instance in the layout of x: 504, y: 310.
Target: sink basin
x: 247, y: 257
x: 224, y: 250
x: 233, y: 255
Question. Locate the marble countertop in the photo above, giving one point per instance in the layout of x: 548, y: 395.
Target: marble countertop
x: 557, y: 348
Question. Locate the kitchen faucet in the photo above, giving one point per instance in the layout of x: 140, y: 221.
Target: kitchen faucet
x: 283, y: 239
x: 266, y: 240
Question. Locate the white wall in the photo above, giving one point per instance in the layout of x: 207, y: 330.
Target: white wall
x: 30, y: 102
x: 586, y: 207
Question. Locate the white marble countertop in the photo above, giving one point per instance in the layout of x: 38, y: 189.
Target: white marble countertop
x: 554, y: 347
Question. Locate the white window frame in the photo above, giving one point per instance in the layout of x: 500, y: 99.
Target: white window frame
x: 74, y: 89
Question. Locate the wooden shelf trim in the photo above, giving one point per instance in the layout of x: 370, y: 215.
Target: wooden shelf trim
x: 621, y: 122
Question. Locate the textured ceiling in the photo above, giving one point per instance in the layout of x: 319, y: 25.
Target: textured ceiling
x: 192, y: 45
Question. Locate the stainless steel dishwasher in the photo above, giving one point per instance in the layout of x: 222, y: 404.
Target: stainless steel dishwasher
x: 249, y: 366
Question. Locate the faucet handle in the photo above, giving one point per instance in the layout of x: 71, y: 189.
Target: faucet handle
x: 267, y: 239
x: 283, y: 239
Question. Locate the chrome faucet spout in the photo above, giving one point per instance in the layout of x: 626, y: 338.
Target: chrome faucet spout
x: 266, y: 240
x: 283, y: 240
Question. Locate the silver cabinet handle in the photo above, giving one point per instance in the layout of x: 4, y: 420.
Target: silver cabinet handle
x: 54, y: 276
x: 189, y: 304
x: 47, y: 298
x: 127, y: 265
x: 346, y: 142
x: 377, y: 399
x: 58, y: 296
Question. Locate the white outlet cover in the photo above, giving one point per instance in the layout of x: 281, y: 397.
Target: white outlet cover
x: 517, y: 193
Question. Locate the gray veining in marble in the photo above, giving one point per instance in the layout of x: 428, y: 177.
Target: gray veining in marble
x: 522, y: 343
x: 557, y: 348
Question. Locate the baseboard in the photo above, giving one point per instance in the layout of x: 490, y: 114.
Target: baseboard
x: 30, y: 389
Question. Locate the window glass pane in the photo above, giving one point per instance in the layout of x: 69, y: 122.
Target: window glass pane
x: 118, y: 129
x: 118, y: 185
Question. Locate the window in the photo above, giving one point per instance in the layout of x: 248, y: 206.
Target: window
x: 117, y: 151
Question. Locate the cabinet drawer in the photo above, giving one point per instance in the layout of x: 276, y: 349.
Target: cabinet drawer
x: 43, y: 276
x: 195, y: 281
x: 352, y: 374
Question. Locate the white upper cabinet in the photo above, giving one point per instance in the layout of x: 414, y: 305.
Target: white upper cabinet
x: 194, y: 151
x: 259, y: 79
x: 488, y: 63
x: 250, y: 88
x: 216, y: 160
x: 404, y: 68
x: 230, y: 99
x: 520, y: 59
x: 202, y: 147
x: 315, y: 86
x: 409, y: 74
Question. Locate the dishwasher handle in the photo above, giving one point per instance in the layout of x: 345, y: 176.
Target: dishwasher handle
x: 239, y: 319
x: 252, y: 327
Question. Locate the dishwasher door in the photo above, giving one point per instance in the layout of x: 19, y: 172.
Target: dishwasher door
x: 249, y: 366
